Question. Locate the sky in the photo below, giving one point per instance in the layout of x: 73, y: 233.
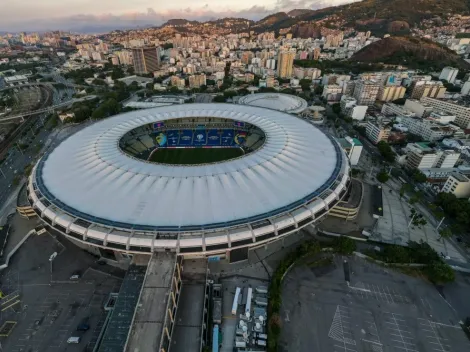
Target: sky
x: 103, y: 15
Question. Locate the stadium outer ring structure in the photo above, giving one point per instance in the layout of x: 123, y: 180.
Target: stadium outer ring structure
x: 289, y: 142
x: 287, y: 103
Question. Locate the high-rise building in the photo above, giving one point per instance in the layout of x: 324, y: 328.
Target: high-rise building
x: 146, y: 60
x: 449, y: 74
x: 461, y: 112
x: 432, y: 89
x: 389, y: 93
x: 196, y: 81
x: 377, y: 132
x: 285, y: 63
x: 365, y: 92
x: 125, y: 57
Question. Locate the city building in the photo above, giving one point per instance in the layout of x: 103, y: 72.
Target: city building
x: 365, y: 92
x: 391, y: 109
x: 285, y: 63
x: 125, y: 57
x: 449, y: 74
x: 427, y: 129
x: 419, y: 108
x: 349, y: 108
x: 390, y: 93
x: 17, y: 80
x: 196, y: 81
x: 432, y: 89
x: 457, y: 184
x: 332, y: 92
x: 422, y: 156
x: 461, y: 112
x: 377, y: 132
x: 146, y: 59
x: 352, y: 147
x: 177, y: 82
x: 465, y: 90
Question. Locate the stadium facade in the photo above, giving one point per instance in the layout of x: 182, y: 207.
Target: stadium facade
x: 99, y: 188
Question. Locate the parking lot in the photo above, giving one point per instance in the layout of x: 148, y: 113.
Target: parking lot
x: 377, y: 310
x: 49, y: 311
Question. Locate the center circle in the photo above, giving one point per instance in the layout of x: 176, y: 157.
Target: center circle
x: 192, y: 141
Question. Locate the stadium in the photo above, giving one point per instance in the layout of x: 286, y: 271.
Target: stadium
x: 277, y: 101
x: 128, y: 184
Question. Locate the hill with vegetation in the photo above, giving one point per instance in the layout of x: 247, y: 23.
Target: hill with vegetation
x: 411, y: 52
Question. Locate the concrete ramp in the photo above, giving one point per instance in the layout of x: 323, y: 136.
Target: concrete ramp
x: 154, y: 316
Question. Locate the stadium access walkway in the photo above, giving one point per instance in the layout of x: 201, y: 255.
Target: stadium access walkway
x: 154, y: 317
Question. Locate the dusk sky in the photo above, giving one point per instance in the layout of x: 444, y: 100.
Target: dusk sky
x: 96, y: 15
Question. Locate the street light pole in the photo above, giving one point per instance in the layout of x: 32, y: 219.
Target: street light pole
x: 2, y: 173
x: 18, y: 146
x: 412, y: 219
x: 440, y: 223
x: 51, y: 259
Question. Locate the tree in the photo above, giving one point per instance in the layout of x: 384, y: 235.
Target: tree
x: 219, y: 99
x: 445, y: 233
x: 396, y: 254
x: 336, y: 108
x: 344, y: 245
x: 386, y: 151
x: 440, y: 272
x: 419, y: 177
x: 382, y: 176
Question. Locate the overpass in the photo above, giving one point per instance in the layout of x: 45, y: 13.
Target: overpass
x: 49, y: 109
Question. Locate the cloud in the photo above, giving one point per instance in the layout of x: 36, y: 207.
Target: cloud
x: 108, y: 21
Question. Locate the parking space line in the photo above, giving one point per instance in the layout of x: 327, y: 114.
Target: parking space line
x: 399, y: 333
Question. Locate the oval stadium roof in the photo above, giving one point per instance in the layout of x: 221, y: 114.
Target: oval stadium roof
x: 276, y: 101
x: 89, y: 174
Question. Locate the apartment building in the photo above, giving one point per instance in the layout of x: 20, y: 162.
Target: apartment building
x: 396, y: 110
x: 332, y: 92
x: 377, y: 132
x: 146, y: 59
x: 422, y: 156
x: 449, y: 74
x: 196, y: 81
x: 432, y: 89
x: 285, y: 63
x: 365, y: 92
x: 457, y: 184
x: 349, y: 108
x: 427, y: 129
x: 419, y: 108
x: 390, y: 93
x: 461, y: 112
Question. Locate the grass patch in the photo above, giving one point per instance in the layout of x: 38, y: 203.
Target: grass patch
x: 187, y: 156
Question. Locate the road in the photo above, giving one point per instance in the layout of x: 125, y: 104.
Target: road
x: 12, y: 168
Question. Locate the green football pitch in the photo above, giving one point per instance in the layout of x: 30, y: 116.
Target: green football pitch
x: 186, y: 156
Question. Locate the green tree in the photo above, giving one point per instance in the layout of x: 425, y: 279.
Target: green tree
x: 336, y: 108
x: 386, y: 151
x: 219, y: 99
x: 344, y: 245
x: 419, y: 177
x: 445, y: 233
x: 396, y: 254
x: 382, y: 176
x: 440, y: 272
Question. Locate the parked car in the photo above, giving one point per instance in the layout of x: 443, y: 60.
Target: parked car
x: 84, y: 325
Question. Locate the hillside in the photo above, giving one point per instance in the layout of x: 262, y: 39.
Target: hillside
x: 378, y: 16
x: 410, y: 52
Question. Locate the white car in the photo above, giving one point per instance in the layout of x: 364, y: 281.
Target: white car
x: 74, y: 339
